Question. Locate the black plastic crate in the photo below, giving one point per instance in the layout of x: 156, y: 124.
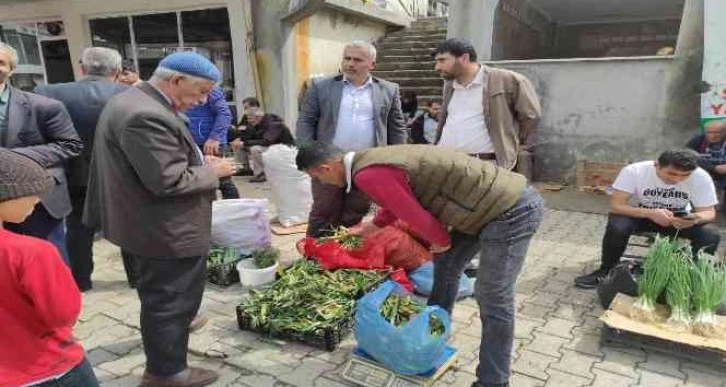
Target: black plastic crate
x: 224, y: 274
x: 327, y: 338
x: 620, y: 337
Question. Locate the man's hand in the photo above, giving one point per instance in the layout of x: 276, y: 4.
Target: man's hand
x: 437, y: 249
x: 681, y: 223
x: 720, y: 169
x: 661, y: 217
x: 211, y: 147
x: 237, y: 144
x: 221, y: 167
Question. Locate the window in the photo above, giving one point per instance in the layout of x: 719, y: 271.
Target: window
x: 148, y: 38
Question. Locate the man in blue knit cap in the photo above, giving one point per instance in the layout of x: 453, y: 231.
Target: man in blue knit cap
x: 151, y: 191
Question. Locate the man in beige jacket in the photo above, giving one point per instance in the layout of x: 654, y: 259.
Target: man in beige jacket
x: 487, y: 112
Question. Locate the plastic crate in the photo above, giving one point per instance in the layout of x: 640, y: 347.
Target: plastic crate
x: 327, y: 338
x: 224, y: 274
x: 619, y: 337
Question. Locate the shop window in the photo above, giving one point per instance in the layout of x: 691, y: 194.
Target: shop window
x: 148, y: 38
x: 43, y: 55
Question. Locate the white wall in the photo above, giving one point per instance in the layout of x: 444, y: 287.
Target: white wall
x: 600, y: 110
x: 330, y: 31
x: 76, y: 13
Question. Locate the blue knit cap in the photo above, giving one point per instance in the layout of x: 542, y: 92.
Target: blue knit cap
x: 191, y: 63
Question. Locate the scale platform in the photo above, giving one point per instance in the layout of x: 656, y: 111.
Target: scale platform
x: 364, y: 371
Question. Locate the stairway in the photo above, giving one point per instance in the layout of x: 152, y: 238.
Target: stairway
x: 405, y: 57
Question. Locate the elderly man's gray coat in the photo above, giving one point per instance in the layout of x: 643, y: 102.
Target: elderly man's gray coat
x: 148, y: 189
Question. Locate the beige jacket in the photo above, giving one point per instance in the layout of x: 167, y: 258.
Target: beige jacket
x: 509, y: 98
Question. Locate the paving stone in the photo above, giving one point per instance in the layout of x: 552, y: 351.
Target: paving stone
x: 533, y: 364
x: 536, y: 312
x: 558, y: 327
x: 124, y: 365
x: 648, y: 379
x: 522, y: 380
x: 661, y: 364
x: 608, y: 379
x: 543, y: 298
x: 104, y: 376
x: 464, y: 313
x: 619, y: 362
x: 325, y: 382
x: 546, y: 344
x: 570, y: 312
x: 703, y: 375
x: 559, y: 379
x: 257, y: 380
x: 575, y: 363
x: 585, y: 343
x: 257, y: 360
x: 525, y: 326
x: 99, y: 356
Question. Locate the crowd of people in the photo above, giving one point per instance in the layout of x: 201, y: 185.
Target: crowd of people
x: 142, y: 160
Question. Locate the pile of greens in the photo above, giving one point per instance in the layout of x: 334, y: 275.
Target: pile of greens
x: 307, y: 298
x: 693, y: 290
x: 266, y: 257
x: 221, y: 255
x: 343, y: 236
x: 400, y: 309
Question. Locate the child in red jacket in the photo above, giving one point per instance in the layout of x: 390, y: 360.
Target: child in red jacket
x: 40, y: 300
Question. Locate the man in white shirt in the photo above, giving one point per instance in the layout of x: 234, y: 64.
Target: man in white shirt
x: 488, y: 112
x: 668, y: 196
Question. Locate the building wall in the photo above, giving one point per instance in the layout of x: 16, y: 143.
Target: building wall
x: 608, y: 110
x: 638, y: 38
x: 75, y: 15
x: 329, y: 32
x: 521, y: 31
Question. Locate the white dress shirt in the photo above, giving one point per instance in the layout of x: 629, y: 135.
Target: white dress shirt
x: 465, y: 129
x: 356, y: 129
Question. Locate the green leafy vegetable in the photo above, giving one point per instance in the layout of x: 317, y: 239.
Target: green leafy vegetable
x: 399, y: 310
x: 266, y: 257
x: 709, y: 285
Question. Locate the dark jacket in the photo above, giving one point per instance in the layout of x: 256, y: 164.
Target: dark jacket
x: 210, y: 120
x: 318, y: 117
x: 42, y: 129
x: 699, y: 144
x: 84, y: 101
x: 148, y: 188
x: 417, y: 129
x: 270, y: 131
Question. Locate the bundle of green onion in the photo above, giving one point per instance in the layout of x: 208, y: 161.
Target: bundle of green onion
x: 709, y: 287
x: 678, y: 291
x: 656, y: 270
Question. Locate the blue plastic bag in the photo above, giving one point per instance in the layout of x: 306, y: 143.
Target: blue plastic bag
x: 423, y: 281
x: 408, y: 349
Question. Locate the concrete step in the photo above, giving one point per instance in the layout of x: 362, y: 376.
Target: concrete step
x: 413, y: 82
x: 426, y: 73
x: 388, y: 64
x: 431, y: 40
x: 385, y: 52
x: 430, y: 21
x: 386, y: 45
x: 407, y: 33
x: 428, y: 58
x: 424, y: 99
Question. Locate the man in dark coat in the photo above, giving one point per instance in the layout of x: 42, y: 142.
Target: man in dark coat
x: 41, y: 129
x: 84, y: 100
x: 151, y: 189
x: 263, y: 131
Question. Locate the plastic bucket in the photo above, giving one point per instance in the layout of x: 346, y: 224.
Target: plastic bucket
x: 250, y: 275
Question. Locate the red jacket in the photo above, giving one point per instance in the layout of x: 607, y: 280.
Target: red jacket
x: 40, y: 302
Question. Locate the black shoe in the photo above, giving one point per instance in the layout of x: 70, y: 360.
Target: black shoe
x: 244, y: 172
x: 85, y: 286
x: 589, y: 281
x: 259, y: 179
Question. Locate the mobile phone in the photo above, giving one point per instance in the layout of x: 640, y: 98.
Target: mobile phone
x: 681, y: 214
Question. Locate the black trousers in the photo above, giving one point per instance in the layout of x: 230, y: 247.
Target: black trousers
x: 227, y: 188
x: 79, y: 240
x: 171, y: 292
x: 620, y: 228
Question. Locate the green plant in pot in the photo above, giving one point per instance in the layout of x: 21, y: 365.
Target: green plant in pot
x: 266, y: 257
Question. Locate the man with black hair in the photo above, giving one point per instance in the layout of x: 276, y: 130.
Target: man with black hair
x: 489, y: 113
x: 489, y: 210
x: 669, y: 196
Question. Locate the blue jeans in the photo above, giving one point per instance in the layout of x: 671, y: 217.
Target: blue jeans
x: 80, y: 375
x: 502, y: 245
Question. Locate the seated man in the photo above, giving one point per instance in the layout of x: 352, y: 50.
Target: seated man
x: 712, y: 148
x: 656, y: 196
x: 423, y: 127
x: 263, y: 130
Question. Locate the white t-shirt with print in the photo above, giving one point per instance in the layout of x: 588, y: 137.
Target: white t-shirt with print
x: 647, y: 190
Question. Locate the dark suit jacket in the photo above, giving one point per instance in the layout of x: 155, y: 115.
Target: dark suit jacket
x: 84, y: 100
x: 270, y: 131
x: 318, y: 117
x: 41, y: 129
x: 148, y: 188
